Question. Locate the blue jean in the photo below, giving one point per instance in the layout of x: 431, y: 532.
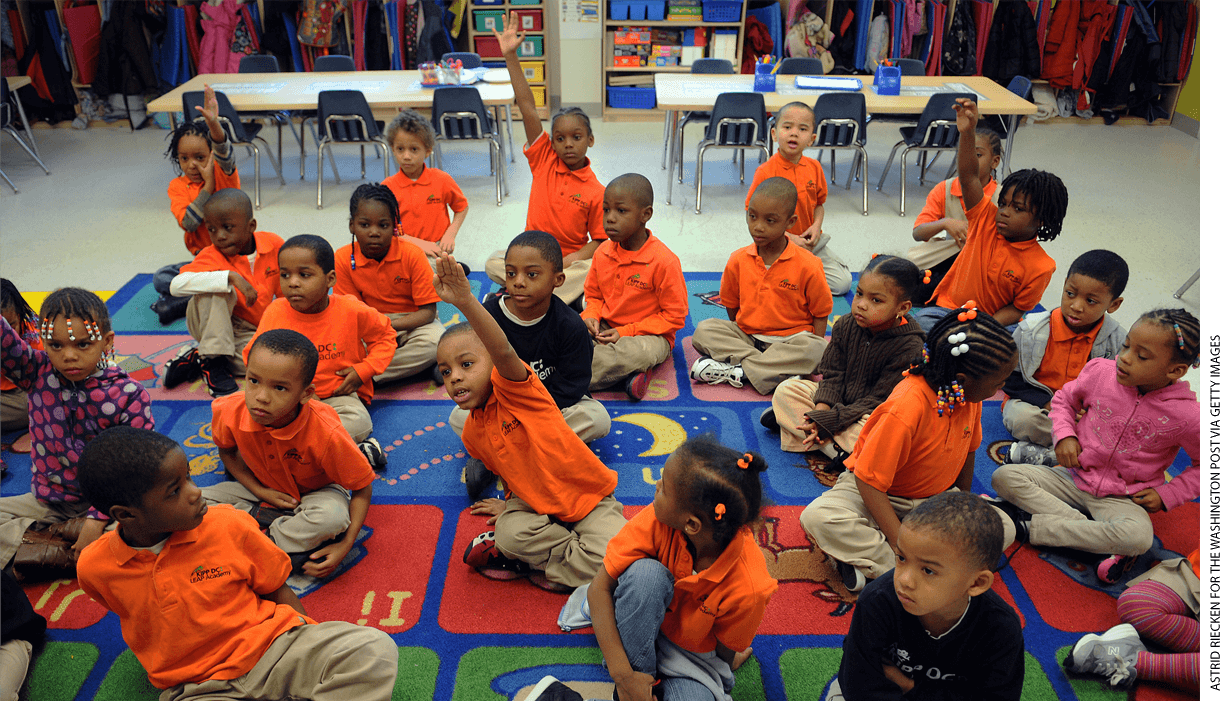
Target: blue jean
x: 164, y: 276
x: 928, y: 317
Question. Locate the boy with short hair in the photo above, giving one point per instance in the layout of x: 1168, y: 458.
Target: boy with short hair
x: 288, y: 450
x: 561, y: 510
x: 934, y: 629
x: 1055, y: 346
x: 635, y: 296
x: 231, y: 282
x: 201, y: 594
x: 794, y: 129
x: 776, y: 297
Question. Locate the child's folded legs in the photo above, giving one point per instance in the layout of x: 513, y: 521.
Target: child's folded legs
x: 568, y: 553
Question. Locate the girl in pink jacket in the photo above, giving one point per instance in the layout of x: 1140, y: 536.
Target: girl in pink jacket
x: 1113, y: 462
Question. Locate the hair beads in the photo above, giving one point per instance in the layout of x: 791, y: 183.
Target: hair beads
x: 718, y: 512
x: 949, y: 398
x: 744, y: 462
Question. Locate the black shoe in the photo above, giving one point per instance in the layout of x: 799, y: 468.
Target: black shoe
x: 170, y: 308
x: 1019, y: 517
x: 465, y: 269
x: 374, y: 453
x: 494, y: 295
x: 217, y: 372
x: 478, y: 478
x: 838, y: 464
x: 768, y: 419
x: 265, y: 515
x: 851, y: 576
x: 184, y: 367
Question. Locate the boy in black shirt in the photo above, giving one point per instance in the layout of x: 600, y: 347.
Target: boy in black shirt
x: 934, y: 629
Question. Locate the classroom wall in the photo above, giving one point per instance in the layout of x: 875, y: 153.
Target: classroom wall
x: 575, y: 52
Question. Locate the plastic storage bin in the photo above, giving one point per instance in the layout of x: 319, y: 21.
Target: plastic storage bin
x: 631, y: 98
x: 620, y: 9
x: 655, y: 10
x: 540, y: 95
x: 488, y: 2
x: 535, y: 71
x: 531, y: 19
x: 721, y: 10
x: 488, y: 20
x: 525, y: 2
x: 530, y: 46
x: 489, y: 47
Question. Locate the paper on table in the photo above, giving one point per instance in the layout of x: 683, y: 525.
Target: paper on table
x: 247, y: 88
x: 362, y: 85
x: 828, y: 83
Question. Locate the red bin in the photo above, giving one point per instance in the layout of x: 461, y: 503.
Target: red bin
x: 531, y: 20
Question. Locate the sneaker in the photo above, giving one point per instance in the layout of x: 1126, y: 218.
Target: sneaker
x: 217, y: 372
x: 494, y: 295
x: 184, y: 367
x: 636, y: 386
x: 1111, y: 654
x: 1026, y: 453
x: 1112, y: 568
x: 768, y: 419
x: 477, y: 478
x: 1019, y: 517
x: 481, y: 554
x: 552, y: 689
x: 265, y: 515
x: 851, y: 576
x: 715, y: 372
x: 374, y: 453
x: 170, y: 309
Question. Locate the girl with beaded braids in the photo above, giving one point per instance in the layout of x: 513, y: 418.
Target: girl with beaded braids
x: 1137, y: 413
x: 76, y: 391
x: 684, y: 585
x: 918, y: 443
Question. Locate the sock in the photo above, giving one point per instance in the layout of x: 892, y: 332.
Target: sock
x: 1179, y: 669
x: 1159, y: 614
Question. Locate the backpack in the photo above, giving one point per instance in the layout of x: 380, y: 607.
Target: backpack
x: 960, y: 57
x: 877, y: 43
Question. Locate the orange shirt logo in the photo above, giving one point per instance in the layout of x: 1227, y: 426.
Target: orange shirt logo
x: 1011, y: 275
x: 270, y: 271
x: 328, y: 351
x: 432, y: 199
x: 398, y: 279
x: 966, y: 432
x: 204, y: 574
x: 510, y: 426
x: 293, y: 454
x: 635, y: 281
x: 787, y: 285
x: 578, y: 201
x: 811, y: 184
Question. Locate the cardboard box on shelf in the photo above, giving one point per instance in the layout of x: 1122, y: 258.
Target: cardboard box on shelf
x: 632, y: 36
x: 629, y: 61
x: 666, y: 36
x: 666, y: 60
x: 659, y: 50
x: 695, y: 36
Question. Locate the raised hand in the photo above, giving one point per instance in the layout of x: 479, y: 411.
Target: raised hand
x: 210, y: 109
x: 967, y: 114
x: 450, y: 281
x: 510, y: 38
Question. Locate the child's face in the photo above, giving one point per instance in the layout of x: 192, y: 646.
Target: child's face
x: 230, y: 230
x: 877, y: 302
x: 76, y: 358
x: 10, y: 315
x: 410, y: 152
x: 174, y: 503
x: 274, y: 388
x: 372, y: 226
x: 1147, y: 359
x: 669, y: 504
x: 623, y: 219
x: 193, y: 155
x: 795, y: 130
x: 978, y: 389
x: 987, y: 160
x: 768, y: 219
x: 571, y: 139
x: 466, y: 367
x: 1084, y: 302
x: 934, y: 579
x: 304, y: 283
x: 530, y: 281
x: 1016, y: 220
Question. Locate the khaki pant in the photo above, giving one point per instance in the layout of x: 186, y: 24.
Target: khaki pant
x: 329, y: 661
x: 570, y: 291
x: 14, y: 410
x: 15, y: 658
x: 1120, y: 526
x: 568, y: 553
x: 355, y: 418
x: 794, y: 398
x: 416, y: 351
x: 723, y: 340
x: 216, y: 331
x: 587, y: 418
x: 1027, y: 422
x: 18, y: 513
x: 842, y: 526
x: 319, y: 517
x: 836, y: 272
x: 615, y: 362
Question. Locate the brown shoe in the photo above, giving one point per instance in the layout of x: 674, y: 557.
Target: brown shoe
x: 69, y: 530
x: 42, y: 557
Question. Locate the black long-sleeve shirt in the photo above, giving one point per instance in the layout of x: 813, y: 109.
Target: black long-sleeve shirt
x: 558, y: 349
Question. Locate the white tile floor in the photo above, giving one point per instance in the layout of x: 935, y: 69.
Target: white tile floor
x: 103, y: 214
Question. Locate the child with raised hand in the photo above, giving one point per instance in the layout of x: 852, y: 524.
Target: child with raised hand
x: 201, y: 594
x: 355, y: 341
x: 384, y: 272
x: 684, y: 585
x: 424, y: 195
x: 920, y: 442
x: 862, y: 364
x: 935, y: 629
x: 1001, y: 267
x: 943, y: 213
x: 205, y: 163
x: 777, y: 300
x: 1055, y: 346
x: 561, y: 510
x: 635, y: 296
x: 14, y: 402
x: 76, y: 391
x: 565, y: 196
x: 1113, y: 459
x: 794, y: 130
x: 230, y: 284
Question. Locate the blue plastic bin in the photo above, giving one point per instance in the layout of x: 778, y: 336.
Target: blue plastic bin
x: 655, y: 10
x: 637, y: 10
x: 631, y: 98
x: 721, y: 10
x: 620, y: 8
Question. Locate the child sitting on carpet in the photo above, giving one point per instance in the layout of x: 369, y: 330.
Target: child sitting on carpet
x: 201, y: 593
x: 1113, y: 461
x: 77, y: 392
x: 14, y: 402
x: 385, y: 272
x: 934, y: 629
x: 684, y: 585
x: 423, y: 195
x: 918, y: 443
x: 635, y: 296
x: 355, y: 341
x: 288, y: 450
x: 231, y: 282
x: 777, y: 300
x: 560, y: 511
x: 871, y: 346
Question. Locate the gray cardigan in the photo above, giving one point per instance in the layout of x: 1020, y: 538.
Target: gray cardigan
x: 1032, y: 336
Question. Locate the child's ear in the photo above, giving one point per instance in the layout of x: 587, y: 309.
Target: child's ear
x: 332, y: 278
x: 982, y: 581
x: 646, y: 214
x: 904, y: 307
x: 559, y: 279
x: 794, y: 218
x: 308, y: 393
x: 108, y: 341
x: 252, y: 226
x: 121, y: 513
x: 1177, y: 371
x: 1114, y: 306
x: 692, y: 525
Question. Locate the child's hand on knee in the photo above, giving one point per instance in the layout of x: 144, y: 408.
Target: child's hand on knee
x: 636, y: 686
x: 1149, y: 500
x: 322, y: 562
x: 276, y: 499
x: 1068, y: 452
x: 489, y: 507
x: 607, y: 337
x: 811, y: 434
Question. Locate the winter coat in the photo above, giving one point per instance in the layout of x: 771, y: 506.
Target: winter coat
x: 1012, y: 44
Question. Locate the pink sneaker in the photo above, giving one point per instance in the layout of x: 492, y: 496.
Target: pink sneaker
x: 1112, y: 568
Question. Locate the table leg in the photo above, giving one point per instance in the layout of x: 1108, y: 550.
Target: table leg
x: 1013, y: 120
x: 672, y: 118
x: 508, y: 123
x: 21, y: 111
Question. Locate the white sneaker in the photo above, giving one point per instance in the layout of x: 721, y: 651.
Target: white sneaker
x: 1111, y: 654
x: 715, y: 372
x: 552, y: 689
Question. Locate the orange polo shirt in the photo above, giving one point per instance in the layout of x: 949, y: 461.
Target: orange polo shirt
x: 193, y: 611
x: 401, y: 283
x: 993, y: 271
x: 1066, y: 352
x: 723, y: 603
x: 639, y: 293
x: 783, y: 299
x: 908, y: 450
x: 183, y: 192
x: 520, y: 435
x: 347, y: 333
x: 263, y: 273
x: 808, y: 178
x: 308, y: 453
x: 936, y: 207
x: 564, y: 203
x: 425, y: 202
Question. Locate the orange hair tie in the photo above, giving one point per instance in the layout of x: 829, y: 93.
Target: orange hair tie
x: 927, y: 276
x: 718, y: 511
x: 970, y: 312
x: 744, y: 462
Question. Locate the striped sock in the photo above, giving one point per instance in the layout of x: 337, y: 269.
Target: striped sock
x: 1159, y: 614
x: 1179, y: 669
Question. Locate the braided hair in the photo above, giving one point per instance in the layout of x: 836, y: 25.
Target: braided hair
x: 189, y: 127
x: 992, y: 137
x: 10, y: 298
x: 573, y: 112
x: 74, y: 301
x: 1184, y: 326
x: 990, y: 346
x: 374, y: 192
x: 1047, y: 197
x: 722, y: 486
x: 904, y: 274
